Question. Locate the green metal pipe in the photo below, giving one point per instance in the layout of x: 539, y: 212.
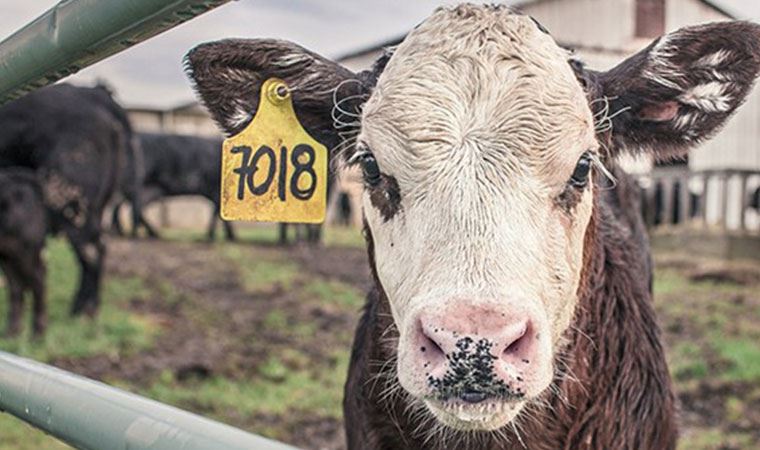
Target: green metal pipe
x: 76, y: 33
x: 91, y: 415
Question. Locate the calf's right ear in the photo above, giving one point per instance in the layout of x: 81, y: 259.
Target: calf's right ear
x: 228, y: 75
x: 682, y: 88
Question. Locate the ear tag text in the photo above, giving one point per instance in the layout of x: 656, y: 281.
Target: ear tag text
x: 273, y: 170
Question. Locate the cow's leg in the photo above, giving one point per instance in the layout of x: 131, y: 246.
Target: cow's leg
x: 152, y: 233
x: 39, y: 318
x: 15, y: 297
x: 90, y: 251
x: 211, y: 233
x: 314, y: 234
x: 137, y: 216
x: 147, y: 196
x: 115, y: 222
x: 282, y: 233
x: 229, y: 231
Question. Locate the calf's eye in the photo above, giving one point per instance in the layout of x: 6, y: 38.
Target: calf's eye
x: 370, y: 169
x: 582, y: 171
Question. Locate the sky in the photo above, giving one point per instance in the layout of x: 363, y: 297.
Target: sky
x: 150, y: 74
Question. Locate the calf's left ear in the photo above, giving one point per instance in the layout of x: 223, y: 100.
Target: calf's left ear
x: 680, y: 89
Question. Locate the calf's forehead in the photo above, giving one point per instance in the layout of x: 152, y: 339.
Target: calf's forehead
x: 485, y: 76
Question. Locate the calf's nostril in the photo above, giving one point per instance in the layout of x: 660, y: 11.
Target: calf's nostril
x: 518, y: 339
x: 430, y: 347
x: 473, y: 396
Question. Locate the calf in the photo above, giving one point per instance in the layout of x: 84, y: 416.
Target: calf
x: 511, y: 305
x: 23, y: 227
x: 75, y: 139
x: 177, y: 165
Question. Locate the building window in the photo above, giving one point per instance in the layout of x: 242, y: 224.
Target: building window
x: 650, y: 18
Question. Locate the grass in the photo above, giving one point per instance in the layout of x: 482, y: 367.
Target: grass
x: 16, y: 435
x: 117, y: 332
x: 267, y: 272
x: 301, y: 357
x: 715, y: 438
x: 743, y: 356
x: 336, y: 293
x: 278, y: 390
x: 714, y: 347
x: 267, y: 234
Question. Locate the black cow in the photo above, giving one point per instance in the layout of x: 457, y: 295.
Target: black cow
x: 23, y: 227
x: 754, y: 201
x: 76, y: 140
x: 178, y: 165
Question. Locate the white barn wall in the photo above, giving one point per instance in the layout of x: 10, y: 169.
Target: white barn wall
x: 592, y: 23
x: 680, y: 13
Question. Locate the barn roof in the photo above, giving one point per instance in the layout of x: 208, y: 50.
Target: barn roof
x: 724, y: 9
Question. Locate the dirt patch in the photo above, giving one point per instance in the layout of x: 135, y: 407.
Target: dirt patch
x: 732, y: 275
x: 212, y: 326
x: 731, y: 407
x: 348, y: 265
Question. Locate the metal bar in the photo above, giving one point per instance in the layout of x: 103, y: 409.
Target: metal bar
x: 93, y: 416
x: 76, y: 33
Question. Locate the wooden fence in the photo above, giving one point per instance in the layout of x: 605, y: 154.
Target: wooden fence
x: 723, y: 199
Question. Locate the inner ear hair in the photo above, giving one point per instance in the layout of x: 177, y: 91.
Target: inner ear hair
x: 659, y: 112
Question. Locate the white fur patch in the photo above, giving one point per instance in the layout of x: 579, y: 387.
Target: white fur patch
x: 713, y: 59
x: 291, y: 59
x: 685, y: 121
x: 240, y: 117
x: 660, y: 70
x: 709, y: 97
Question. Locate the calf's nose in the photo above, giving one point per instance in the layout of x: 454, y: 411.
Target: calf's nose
x: 482, y: 344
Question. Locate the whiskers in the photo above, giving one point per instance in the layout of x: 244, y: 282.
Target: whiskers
x: 346, y: 114
x: 603, y: 118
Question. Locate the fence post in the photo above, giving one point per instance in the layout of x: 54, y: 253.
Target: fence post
x: 703, y: 198
x: 76, y: 33
x: 725, y: 182
x: 684, y: 199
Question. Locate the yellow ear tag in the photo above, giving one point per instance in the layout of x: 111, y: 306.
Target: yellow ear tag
x: 273, y: 171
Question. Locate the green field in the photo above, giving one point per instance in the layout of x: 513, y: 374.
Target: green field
x: 258, y: 336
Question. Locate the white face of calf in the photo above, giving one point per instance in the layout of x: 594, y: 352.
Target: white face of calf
x: 477, y: 142
x: 481, y: 122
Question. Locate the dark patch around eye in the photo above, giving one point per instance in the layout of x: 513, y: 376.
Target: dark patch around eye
x: 386, y: 196
x: 576, y: 185
x: 569, y: 198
